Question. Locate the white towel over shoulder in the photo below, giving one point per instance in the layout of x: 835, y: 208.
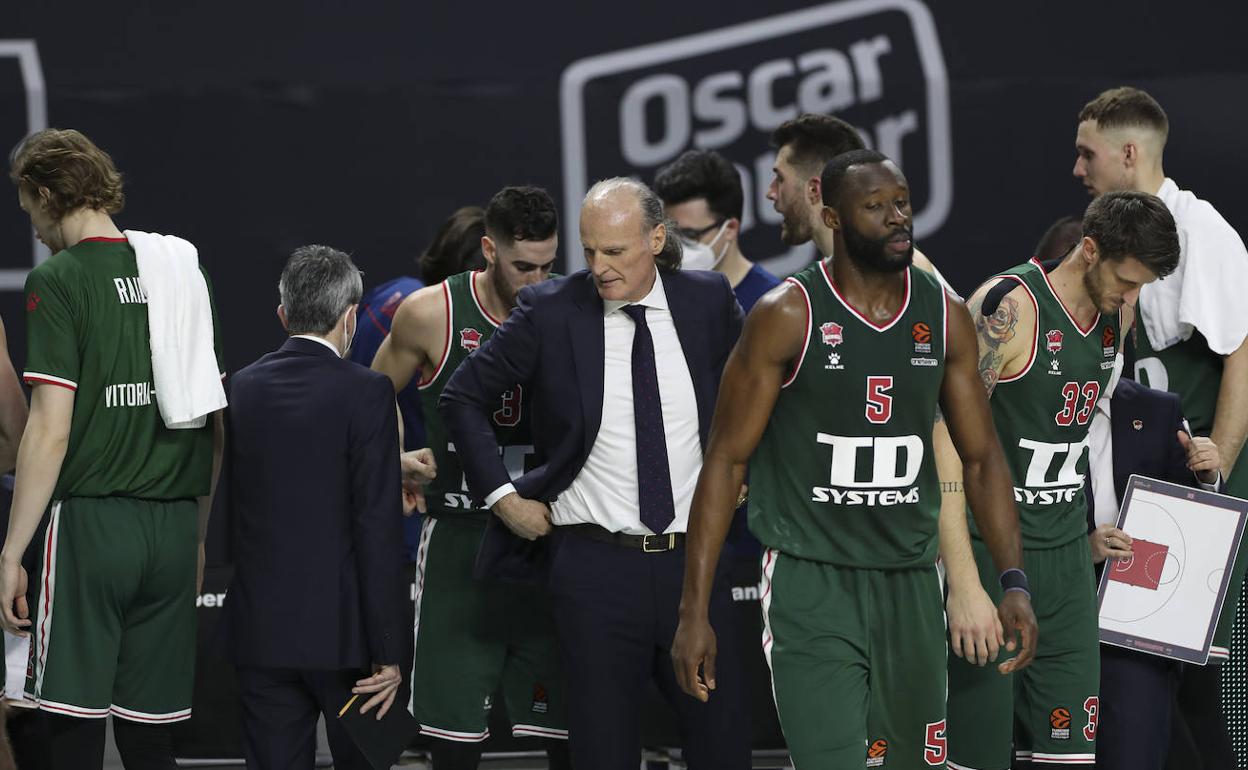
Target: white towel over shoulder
x: 179, y: 315
x: 1209, y: 284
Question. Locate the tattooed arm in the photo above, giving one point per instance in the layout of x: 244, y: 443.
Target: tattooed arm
x: 1004, y: 335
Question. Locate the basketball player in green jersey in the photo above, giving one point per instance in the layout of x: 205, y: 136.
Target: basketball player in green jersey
x: 1048, y: 344
x: 473, y: 636
x: 830, y: 396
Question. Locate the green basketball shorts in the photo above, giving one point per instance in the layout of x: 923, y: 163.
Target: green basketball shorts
x: 115, y: 628
x: 1046, y: 713
x: 857, y: 662
x: 474, y: 638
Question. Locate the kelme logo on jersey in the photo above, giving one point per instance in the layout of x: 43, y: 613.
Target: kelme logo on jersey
x: 1041, y: 486
x: 1059, y: 721
x: 469, y: 339
x: 832, y: 333
x: 877, y: 64
x: 834, y: 361
x: 1053, y: 341
x: 877, y: 752
x: 864, y: 470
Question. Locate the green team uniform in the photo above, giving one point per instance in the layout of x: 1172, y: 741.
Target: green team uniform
x: 472, y: 636
x: 1193, y: 371
x: 844, y: 496
x: 115, y: 629
x: 1048, y: 711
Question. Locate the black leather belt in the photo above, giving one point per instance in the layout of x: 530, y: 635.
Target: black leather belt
x: 647, y: 543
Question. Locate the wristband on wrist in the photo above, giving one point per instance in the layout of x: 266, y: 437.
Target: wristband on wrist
x: 1014, y: 579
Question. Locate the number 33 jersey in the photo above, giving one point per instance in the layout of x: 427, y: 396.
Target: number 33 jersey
x: 844, y: 473
x: 1043, y: 412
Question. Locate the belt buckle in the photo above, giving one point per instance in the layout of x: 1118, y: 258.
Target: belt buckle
x: 669, y: 537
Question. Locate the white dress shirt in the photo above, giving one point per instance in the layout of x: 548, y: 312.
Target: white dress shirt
x: 1101, y: 467
x: 605, y: 491
x: 321, y: 340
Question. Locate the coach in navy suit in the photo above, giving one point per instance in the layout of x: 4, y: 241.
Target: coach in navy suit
x: 1137, y: 432
x: 621, y: 366
x: 316, y: 603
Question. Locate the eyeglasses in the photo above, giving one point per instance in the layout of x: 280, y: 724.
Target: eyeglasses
x: 693, y: 235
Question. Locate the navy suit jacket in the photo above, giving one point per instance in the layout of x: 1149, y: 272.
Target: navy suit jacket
x: 313, y: 458
x: 1152, y: 449
x: 552, y: 345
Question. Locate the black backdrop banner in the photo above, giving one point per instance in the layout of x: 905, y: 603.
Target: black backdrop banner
x: 252, y: 128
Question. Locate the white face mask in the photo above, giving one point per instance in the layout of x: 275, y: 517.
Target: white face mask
x: 702, y: 256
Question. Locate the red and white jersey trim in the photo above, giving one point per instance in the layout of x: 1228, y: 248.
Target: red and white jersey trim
x: 472, y: 283
x: 1069, y: 317
x: 451, y: 735
x: 1056, y: 759
x: 1221, y: 653
x: 533, y: 731
x: 446, y: 347
x: 1035, y: 332
x: 809, y: 325
x: 71, y: 710
x: 39, y: 378
x: 901, y: 311
x: 140, y: 716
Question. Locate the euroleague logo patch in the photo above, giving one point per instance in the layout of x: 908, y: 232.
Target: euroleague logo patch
x: 1108, y: 338
x: 922, y: 335
x: 877, y: 752
x: 1059, y: 720
x: 541, y: 701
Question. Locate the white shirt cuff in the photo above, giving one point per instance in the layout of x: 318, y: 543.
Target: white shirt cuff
x: 499, y: 494
x: 1210, y: 487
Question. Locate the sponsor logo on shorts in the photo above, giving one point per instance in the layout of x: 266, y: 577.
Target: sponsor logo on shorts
x: 469, y: 339
x: 877, y: 752
x: 541, y: 702
x: 1059, y: 721
x: 922, y: 334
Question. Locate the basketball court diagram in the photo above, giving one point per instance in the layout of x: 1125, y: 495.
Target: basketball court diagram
x: 1169, y: 591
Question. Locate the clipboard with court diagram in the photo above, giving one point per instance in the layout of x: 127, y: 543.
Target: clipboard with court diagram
x: 1165, y: 599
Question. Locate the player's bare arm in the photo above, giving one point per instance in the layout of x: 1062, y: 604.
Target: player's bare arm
x: 39, y: 461
x: 12, y: 407
x: 770, y: 343
x: 986, y: 477
x: 1230, y: 419
x: 1004, y: 336
x: 414, y: 345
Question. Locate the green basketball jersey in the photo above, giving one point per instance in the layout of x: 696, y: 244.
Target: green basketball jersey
x: 1193, y: 371
x: 86, y: 318
x: 1042, y: 413
x: 844, y: 473
x: 468, y: 327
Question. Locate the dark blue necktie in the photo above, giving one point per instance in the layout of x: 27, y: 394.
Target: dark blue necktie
x: 654, y: 477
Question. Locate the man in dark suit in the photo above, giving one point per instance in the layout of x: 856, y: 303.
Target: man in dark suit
x: 621, y: 364
x: 315, y: 487
x: 1141, y: 431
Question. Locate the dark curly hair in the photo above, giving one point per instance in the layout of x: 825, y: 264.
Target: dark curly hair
x: 521, y: 214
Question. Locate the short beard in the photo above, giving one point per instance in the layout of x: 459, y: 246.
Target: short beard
x: 1096, y: 289
x: 502, y: 288
x: 795, y: 231
x: 869, y: 253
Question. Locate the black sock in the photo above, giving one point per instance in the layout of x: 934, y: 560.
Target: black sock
x: 453, y: 755
x: 557, y: 755
x: 75, y: 744
x: 143, y: 746
x: 28, y: 732
x: 1200, y: 703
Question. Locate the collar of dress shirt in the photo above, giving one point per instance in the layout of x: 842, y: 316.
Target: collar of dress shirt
x: 657, y: 298
x: 321, y: 340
